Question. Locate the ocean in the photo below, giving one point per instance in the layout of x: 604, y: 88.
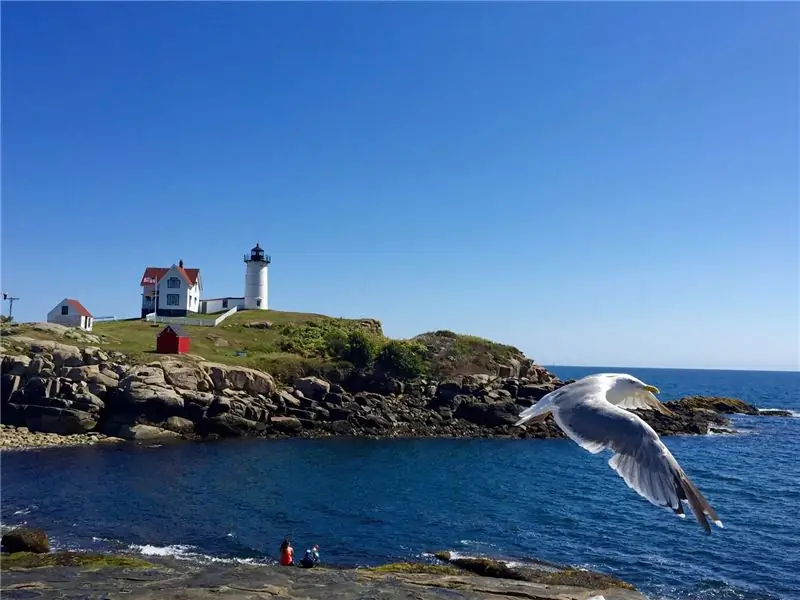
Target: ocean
x: 371, y: 501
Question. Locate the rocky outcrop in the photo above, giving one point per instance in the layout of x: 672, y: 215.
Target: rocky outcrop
x: 27, y: 557
x: 25, y: 539
x: 115, y: 576
x: 62, y: 389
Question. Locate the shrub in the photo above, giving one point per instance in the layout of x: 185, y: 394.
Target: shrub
x: 361, y: 349
x: 403, y: 359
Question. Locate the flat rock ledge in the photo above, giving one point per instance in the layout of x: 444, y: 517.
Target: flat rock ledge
x: 173, y: 579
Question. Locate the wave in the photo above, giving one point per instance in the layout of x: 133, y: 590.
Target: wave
x: 188, y: 552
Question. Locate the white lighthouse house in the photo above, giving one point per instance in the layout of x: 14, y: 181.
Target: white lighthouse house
x: 255, y: 280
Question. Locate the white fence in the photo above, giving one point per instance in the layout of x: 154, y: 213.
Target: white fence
x: 154, y: 318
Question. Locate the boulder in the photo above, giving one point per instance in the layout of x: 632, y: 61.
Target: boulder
x: 186, y: 376
x: 140, y: 431
x: 63, y: 421
x: 225, y: 377
x: 179, y: 425
x: 15, y: 364
x: 145, y: 390
x: 286, y: 424
x: 231, y: 425
x: 25, y: 539
x: 312, y: 387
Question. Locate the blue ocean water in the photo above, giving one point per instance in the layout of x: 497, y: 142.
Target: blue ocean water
x: 370, y: 501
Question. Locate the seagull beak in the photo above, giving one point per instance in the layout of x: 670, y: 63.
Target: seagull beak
x: 652, y: 389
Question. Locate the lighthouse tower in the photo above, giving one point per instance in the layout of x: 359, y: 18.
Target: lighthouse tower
x: 255, y: 280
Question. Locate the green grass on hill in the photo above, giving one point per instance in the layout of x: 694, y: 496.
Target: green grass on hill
x: 289, y: 344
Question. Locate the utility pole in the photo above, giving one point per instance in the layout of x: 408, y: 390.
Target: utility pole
x: 10, y: 300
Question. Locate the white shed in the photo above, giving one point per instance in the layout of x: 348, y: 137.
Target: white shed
x: 71, y: 313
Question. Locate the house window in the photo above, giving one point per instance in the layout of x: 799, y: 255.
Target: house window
x: 258, y: 302
x: 173, y: 282
x: 225, y: 303
x: 172, y: 299
x: 65, y: 310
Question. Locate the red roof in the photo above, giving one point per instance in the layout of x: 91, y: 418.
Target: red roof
x: 79, y: 308
x: 153, y: 274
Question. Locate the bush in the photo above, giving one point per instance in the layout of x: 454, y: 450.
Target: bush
x: 331, y: 340
x: 402, y: 359
x: 361, y: 349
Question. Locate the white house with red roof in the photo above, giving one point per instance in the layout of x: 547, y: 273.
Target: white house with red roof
x: 71, y: 313
x: 171, y: 291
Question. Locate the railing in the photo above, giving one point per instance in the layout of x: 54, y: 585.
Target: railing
x: 154, y: 318
x: 225, y: 315
x: 266, y: 258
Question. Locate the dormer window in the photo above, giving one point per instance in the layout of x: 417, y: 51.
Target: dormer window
x: 173, y: 282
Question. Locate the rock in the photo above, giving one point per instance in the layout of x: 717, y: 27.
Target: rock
x: 259, y: 325
x: 172, y: 578
x: 63, y: 421
x: 140, y: 431
x: 179, y: 425
x: 15, y: 365
x: 231, y: 425
x: 312, y: 387
x: 719, y: 404
x: 24, y: 539
x: 239, y: 378
x: 774, y: 412
x: 145, y: 390
x: 186, y: 376
x: 286, y: 424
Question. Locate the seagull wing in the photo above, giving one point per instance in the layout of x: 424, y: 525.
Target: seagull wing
x: 642, y: 399
x: 640, y: 457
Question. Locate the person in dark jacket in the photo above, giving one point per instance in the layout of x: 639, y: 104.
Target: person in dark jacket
x: 311, y: 558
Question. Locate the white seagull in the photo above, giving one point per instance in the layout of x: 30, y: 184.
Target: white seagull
x: 591, y: 411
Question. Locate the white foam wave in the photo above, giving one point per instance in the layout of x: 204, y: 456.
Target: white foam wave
x: 25, y: 511
x: 186, y: 552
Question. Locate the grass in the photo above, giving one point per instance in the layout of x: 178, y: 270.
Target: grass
x: 291, y: 344
x: 416, y: 568
x: 29, y: 560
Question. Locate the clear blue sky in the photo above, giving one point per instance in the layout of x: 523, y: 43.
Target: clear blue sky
x: 598, y: 184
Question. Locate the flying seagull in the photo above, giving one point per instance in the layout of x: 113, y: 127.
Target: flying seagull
x: 592, y: 412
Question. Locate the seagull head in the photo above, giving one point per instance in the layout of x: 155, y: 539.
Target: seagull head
x: 624, y: 384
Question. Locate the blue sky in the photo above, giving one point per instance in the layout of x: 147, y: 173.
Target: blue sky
x: 611, y: 184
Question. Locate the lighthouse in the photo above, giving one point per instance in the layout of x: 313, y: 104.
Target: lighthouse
x: 255, y: 280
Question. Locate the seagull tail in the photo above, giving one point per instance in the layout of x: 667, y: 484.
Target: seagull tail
x: 538, y: 412
x: 697, y: 502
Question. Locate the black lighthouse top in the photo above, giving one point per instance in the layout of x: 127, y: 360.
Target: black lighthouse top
x: 257, y: 255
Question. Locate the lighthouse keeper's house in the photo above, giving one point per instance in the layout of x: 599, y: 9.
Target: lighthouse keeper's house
x: 171, y: 292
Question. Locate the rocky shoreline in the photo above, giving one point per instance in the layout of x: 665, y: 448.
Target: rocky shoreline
x: 31, y: 570
x: 56, y: 394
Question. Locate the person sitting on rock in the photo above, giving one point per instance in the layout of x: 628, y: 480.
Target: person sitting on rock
x: 311, y: 558
x: 287, y: 554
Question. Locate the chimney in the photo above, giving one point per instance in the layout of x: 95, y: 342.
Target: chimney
x: 180, y: 263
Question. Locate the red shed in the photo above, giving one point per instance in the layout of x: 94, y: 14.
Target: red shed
x: 172, y: 340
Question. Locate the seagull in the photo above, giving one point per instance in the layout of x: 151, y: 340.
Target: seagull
x: 592, y: 412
